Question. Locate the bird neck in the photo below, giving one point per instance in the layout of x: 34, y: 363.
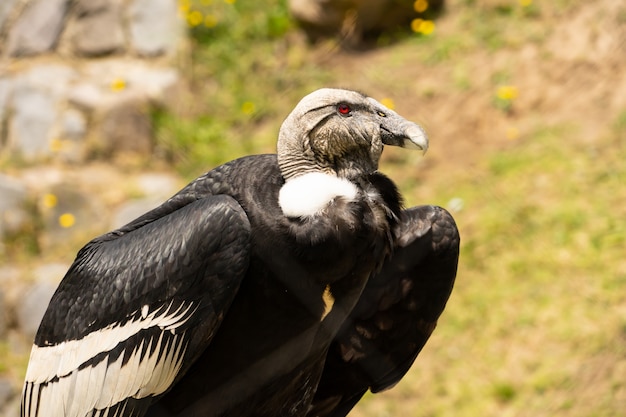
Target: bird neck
x: 350, y: 168
x: 296, y: 165
x: 354, y: 167
x: 302, y: 153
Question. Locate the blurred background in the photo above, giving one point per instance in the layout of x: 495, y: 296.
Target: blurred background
x: 107, y: 107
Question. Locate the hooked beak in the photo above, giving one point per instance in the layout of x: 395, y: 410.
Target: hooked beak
x: 415, y: 138
x: 401, y: 132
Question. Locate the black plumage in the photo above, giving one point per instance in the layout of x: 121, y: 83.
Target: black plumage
x: 273, y: 285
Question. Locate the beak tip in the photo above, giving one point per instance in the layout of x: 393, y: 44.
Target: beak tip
x: 416, y: 139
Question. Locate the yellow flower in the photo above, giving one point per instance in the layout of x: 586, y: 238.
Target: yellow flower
x: 507, y: 92
x: 423, y: 26
x: 56, y: 145
x: 194, y: 18
x: 388, y: 102
x: 118, y: 84
x: 183, y: 7
x: 427, y: 27
x: 415, y: 25
x: 67, y: 220
x: 229, y: 1
x: 248, y: 107
x: 420, y: 6
x: 210, y: 21
x: 525, y: 3
x: 49, y: 200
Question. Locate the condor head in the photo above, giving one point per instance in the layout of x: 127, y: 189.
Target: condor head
x: 342, y: 133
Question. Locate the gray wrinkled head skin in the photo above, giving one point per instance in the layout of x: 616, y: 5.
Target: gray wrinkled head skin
x: 342, y: 132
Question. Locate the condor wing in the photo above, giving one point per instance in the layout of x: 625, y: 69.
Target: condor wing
x: 135, y: 310
x: 395, y: 315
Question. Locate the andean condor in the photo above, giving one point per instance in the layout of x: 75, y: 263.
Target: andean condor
x: 273, y: 285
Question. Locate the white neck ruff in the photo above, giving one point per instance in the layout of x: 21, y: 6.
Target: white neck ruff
x: 309, y: 194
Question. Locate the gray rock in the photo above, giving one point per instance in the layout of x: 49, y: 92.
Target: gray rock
x: 86, y: 95
x: 6, y: 8
x: 142, y: 82
x: 156, y: 84
x: 30, y: 128
x: 32, y: 306
x: 76, y: 214
x: 31, y: 302
x: 125, y: 127
x: 131, y: 210
x: 41, y: 178
x: 53, y: 78
x: 12, y: 407
x: 10, y: 281
x: 3, y: 321
x: 5, y: 92
x: 12, y: 212
x: 98, y: 29
x: 51, y: 273
x: 10, y: 278
x: 158, y: 184
x: 35, y: 100
x: 9, y: 274
x: 73, y: 131
x: 37, y: 29
x: 6, y: 391
x: 74, y: 124
x: 154, y: 26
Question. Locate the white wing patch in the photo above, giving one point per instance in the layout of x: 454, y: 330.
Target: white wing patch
x: 310, y: 193
x: 60, y: 383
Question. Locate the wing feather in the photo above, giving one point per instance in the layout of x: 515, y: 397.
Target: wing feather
x: 134, y: 311
x: 395, y: 315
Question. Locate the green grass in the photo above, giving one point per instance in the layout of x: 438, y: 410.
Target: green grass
x: 536, y: 322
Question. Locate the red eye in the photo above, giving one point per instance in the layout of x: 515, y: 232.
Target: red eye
x: 344, y: 109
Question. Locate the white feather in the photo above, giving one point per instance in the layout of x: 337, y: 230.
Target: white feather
x: 47, y: 362
x: 55, y: 381
x: 109, y: 386
x: 96, y: 375
x: 309, y: 194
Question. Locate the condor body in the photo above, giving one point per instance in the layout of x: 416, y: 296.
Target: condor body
x: 273, y: 285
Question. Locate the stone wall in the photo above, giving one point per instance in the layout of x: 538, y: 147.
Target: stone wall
x: 78, y: 77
